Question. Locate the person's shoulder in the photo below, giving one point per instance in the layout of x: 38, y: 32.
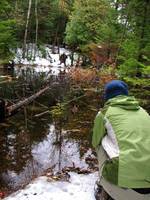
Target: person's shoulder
x: 144, y: 111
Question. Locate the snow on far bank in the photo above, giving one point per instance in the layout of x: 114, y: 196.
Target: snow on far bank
x: 46, y: 62
x: 48, y: 59
x: 79, y: 187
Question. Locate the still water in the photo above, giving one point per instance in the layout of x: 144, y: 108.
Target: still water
x: 30, y: 145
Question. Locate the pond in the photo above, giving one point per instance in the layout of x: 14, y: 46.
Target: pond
x: 30, y: 145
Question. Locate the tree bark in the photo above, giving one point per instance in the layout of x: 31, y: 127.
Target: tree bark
x: 72, y: 57
x: 26, y: 28
x: 16, y: 9
x: 143, y: 28
x: 123, y: 35
x: 37, y: 24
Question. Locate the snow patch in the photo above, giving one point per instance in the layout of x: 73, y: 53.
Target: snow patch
x: 79, y: 187
x: 49, y: 59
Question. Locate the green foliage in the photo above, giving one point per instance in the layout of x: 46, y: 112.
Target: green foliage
x: 42, y: 50
x: 52, y: 18
x: 82, y: 29
x: 57, y: 111
x: 130, y: 67
x: 7, y: 32
x: 134, y: 56
x: 130, y: 48
x: 121, y: 26
x: 146, y: 70
x: 141, y: 82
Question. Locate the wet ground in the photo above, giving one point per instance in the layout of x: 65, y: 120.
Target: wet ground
x: 30, y: 145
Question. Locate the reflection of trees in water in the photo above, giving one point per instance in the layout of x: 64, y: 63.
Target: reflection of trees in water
x: 58, y: 142
x: 3, y: 155
x: 69, y: 151
x: 15, y: 147
x: 15, y: 150
x: 27, y: 81
x: 24, y: 164
x: 17, y: 165
x: 16, y: 161
x: 23, y: 149
x: 15, y: 140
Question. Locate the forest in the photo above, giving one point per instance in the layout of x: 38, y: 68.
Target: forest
x: 55, y: 58
x: 119, y: 28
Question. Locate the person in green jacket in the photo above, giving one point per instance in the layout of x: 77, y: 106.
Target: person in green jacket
x: 122, y: 129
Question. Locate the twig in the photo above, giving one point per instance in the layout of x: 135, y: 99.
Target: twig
x: 41, y: 114
x: 42, y: 105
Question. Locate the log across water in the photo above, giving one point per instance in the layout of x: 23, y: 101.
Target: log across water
x: 7, y: 111
x: 26, y: 101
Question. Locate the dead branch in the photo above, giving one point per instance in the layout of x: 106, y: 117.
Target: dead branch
x: 41, y: 114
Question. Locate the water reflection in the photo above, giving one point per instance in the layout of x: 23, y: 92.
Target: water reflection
x: 29, y: 145
x: 48, y: 151
x: 26, y: 159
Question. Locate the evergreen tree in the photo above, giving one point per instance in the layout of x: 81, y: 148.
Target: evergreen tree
x: 135, y: 45
x: 7, y: 31
x: 86, y: 21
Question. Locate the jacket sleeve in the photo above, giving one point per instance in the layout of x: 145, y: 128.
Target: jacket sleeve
x: 98, y: 129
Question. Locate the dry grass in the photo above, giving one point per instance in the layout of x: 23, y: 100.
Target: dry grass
x: 83, y: 77
x: 90, y: 77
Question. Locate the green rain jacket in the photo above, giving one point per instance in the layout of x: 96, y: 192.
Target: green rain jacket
x: 130, y: 168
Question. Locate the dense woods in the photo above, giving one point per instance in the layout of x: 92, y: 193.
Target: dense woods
x: 113, y: 35
x: 106, y: 32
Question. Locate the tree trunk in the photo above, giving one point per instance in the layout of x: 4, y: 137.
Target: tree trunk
x: 55, y: 39
x: 117, y: 4
x: 72, y: 57
x: 58, y: 46
x: 16, y: 9
x: 37, y: 24
x: 26, y: 28
x: 122, y: 37
x: 143, y: 28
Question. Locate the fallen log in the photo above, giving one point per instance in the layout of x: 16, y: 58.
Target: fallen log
x: 25, y: 102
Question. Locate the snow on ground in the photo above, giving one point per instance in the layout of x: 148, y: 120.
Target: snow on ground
x: 79, y: 187
x: 48, y: 59
x: 44, y: 63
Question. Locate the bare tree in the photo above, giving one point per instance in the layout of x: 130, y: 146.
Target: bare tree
x: 37, y: 24
x: 26, y: 28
